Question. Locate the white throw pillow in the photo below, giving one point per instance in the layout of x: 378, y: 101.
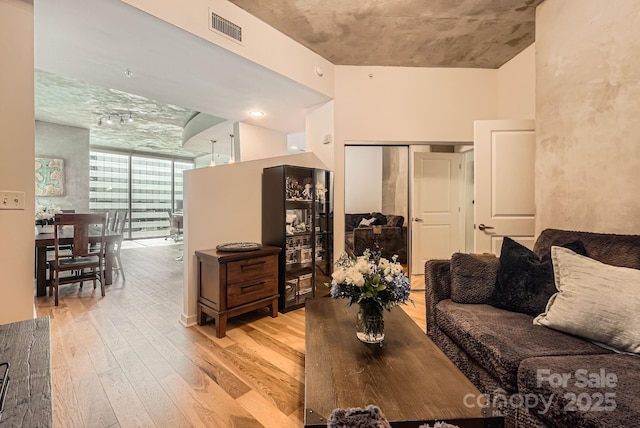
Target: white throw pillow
x: 367, y: 221
x: 596, y: 301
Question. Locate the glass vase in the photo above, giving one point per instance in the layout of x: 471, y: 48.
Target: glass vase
x: 44, y: 228
x: 370, y: 324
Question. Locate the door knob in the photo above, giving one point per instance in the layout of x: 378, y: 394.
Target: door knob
x: 483, y: 227
x: 417, y: 219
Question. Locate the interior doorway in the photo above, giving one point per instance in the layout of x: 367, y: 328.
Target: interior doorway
x: 377, y: 200
x: 369, y: 165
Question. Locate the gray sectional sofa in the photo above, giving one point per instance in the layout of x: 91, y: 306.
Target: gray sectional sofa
x: 537, y: 376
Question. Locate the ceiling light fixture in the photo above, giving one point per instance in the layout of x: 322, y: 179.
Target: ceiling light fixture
x: 256, y: 113
x: 121, y: 116
x: 128, y: 73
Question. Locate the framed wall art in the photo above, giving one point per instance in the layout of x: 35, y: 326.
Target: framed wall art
x: 49, y: 177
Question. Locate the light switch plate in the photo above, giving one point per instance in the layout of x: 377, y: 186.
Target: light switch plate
x: 11, y: 200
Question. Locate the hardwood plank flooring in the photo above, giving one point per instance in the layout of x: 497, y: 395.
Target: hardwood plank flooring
x: 125, y: 361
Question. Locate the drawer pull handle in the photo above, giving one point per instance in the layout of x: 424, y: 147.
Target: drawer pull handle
x: 250, y: 265
x: 245, y: 287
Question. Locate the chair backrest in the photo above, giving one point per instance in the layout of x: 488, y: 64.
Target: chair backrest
x: 111, y: 219
x: 120, y: 221
x: 84, y: 226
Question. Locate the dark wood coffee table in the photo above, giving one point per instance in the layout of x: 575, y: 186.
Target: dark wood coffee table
x: 409, y: 378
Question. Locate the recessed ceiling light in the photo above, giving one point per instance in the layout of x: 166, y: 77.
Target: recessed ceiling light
x: 256, y: 113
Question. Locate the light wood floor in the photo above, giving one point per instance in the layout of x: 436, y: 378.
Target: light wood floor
x: 125, y: 361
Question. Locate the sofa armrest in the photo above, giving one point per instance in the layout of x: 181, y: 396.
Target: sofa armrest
x: 437, y: 280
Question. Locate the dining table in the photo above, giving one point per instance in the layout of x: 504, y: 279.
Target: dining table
x: 43, y: 241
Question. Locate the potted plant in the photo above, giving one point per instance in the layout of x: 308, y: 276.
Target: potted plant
x: 44, y: 217
x: 375, y: 284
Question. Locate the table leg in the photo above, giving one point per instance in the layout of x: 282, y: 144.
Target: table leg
x: 41, y: 271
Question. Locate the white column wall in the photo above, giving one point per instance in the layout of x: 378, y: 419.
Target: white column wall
x: 17, y: 168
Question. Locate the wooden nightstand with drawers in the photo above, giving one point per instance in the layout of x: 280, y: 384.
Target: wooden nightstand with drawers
x: 233, y: 283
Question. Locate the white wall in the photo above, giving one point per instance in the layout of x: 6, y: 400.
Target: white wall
x: 261, y: 43
x: 517, y: 86
x: 319, y: 126
x: 17, y: 160
x: 259, y: 143
x: 587, y: 110
x: 363, y: 179
x: 224, y: 204
x: 406, y: 105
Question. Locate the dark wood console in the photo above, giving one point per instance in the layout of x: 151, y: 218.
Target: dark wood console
x: 233, y: 283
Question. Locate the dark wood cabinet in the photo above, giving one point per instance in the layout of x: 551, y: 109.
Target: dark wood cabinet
x: 297, y: 215
x: 233, y: 283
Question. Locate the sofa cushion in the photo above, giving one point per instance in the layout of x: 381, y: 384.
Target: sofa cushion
x: 597, y: 301
x: 524, y: 282
x: 473, y: 277
x: 499, y: 340
x: 612, y: 402
x: 395, y: 220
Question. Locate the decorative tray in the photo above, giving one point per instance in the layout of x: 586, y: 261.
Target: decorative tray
x: 239, y: 246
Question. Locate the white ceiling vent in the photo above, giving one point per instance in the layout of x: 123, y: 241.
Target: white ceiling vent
x: 223, y: 26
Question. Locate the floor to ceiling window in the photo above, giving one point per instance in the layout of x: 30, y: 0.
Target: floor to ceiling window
x: 150, y: 187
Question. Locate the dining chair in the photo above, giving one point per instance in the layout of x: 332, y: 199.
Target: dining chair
x: 175, y: 226
x: 118, y: 226
x: 85, y: 260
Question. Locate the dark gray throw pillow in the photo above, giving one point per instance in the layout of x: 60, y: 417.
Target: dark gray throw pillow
x: 525, y: 282
x: 473, y: 277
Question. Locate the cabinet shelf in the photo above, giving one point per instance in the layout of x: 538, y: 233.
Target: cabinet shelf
x: 299, y: 267
x: 300, y: 234
x: 291, y: 204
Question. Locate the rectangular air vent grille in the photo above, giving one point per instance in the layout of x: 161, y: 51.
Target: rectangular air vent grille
x: 226, y: 27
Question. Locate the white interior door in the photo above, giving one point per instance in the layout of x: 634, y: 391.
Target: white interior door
x: 504, y: 183
x: 435, y: 225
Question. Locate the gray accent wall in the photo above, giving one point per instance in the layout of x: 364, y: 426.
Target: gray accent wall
x: 395, y: 181
x: 71, y: 144
x: 587, y: 115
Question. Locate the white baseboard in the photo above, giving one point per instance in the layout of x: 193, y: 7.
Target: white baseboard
x: 188, y: 321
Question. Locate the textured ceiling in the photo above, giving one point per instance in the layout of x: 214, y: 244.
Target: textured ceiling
x: 417, y: 33
x: 155, y: 128
x: 176, y: 67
